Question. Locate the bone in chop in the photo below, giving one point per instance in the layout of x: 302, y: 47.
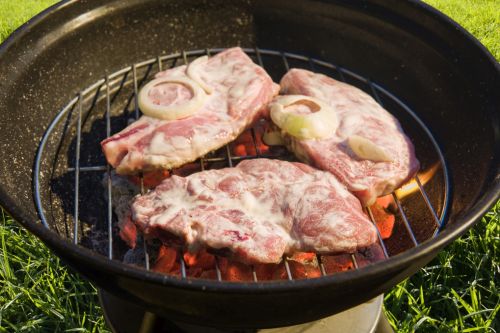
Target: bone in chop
x: 366, y: 149
x: 257, y: 211
x: 206, y: 105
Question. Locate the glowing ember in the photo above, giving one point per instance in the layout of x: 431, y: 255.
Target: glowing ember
x: 267, y: 272
x: 186, y: 169
x: 412, y: 186
x: 150, y: 179
x: 337, y: 263
x: 202, y: 259
x: 202, y: 265
x: 303, y: 271
x: 166, y: 260
x: 244, y: 145
x: 235, y: 271
x: 128, y: 231
x: 383, y: 219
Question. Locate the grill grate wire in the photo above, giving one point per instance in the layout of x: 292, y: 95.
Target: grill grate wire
x: 108, y: 171
x: 77, y: 167
x: 380, y: 239
x: 114, y: 79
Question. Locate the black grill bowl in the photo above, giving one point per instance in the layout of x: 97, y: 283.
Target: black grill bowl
x: 425, y: 59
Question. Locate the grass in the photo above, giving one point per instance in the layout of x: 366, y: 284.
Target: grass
x: 13, y: 13
x: 38, y: 294
x: 479, y: 17
x: 456, y: 292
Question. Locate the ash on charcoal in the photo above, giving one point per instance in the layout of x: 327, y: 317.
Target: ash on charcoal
x: 135, y: 256
x: 97, y: 238
x: 122, y: 192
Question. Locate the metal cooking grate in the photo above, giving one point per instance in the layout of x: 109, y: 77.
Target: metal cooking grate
x: 67, y: 127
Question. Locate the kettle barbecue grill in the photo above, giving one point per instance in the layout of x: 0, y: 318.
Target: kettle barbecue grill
x: 69, y: 78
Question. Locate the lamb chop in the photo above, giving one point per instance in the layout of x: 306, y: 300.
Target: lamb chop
x: 191, y: 110
x: 254, y: 212
x: 339, y: 128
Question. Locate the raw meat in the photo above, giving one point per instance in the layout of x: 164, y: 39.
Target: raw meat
x: 255, y: 212
x: 358, y: 115
x: 237, y: 91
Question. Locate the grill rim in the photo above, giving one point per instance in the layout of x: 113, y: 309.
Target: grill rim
x: 391, y: 264
x: 452, y: 231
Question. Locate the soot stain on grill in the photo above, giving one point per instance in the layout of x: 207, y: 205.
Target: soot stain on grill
x: 92, y: 210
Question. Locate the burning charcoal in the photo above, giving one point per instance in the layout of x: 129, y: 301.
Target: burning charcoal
x: 166, y: 261
x: 150, y: 179
x: 337, y: 263
x: 369, y: 255
x: 201, y: 259
x: 235, y: 271
x: 384, y: 219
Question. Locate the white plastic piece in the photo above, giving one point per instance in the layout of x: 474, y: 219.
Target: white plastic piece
x: 367, y: 150
x: 320, y: 123
x: 171, y: 112
x: 193, y: 73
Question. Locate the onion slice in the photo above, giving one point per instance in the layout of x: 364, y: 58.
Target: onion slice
x: 367, y: 150
x: 272, y: 137
x: 171, y: 112
x: 320, y: 123
x: 192, y: 72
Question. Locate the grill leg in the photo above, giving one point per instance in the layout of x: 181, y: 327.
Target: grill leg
x: 383, y: 325
x: 148, y: 323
